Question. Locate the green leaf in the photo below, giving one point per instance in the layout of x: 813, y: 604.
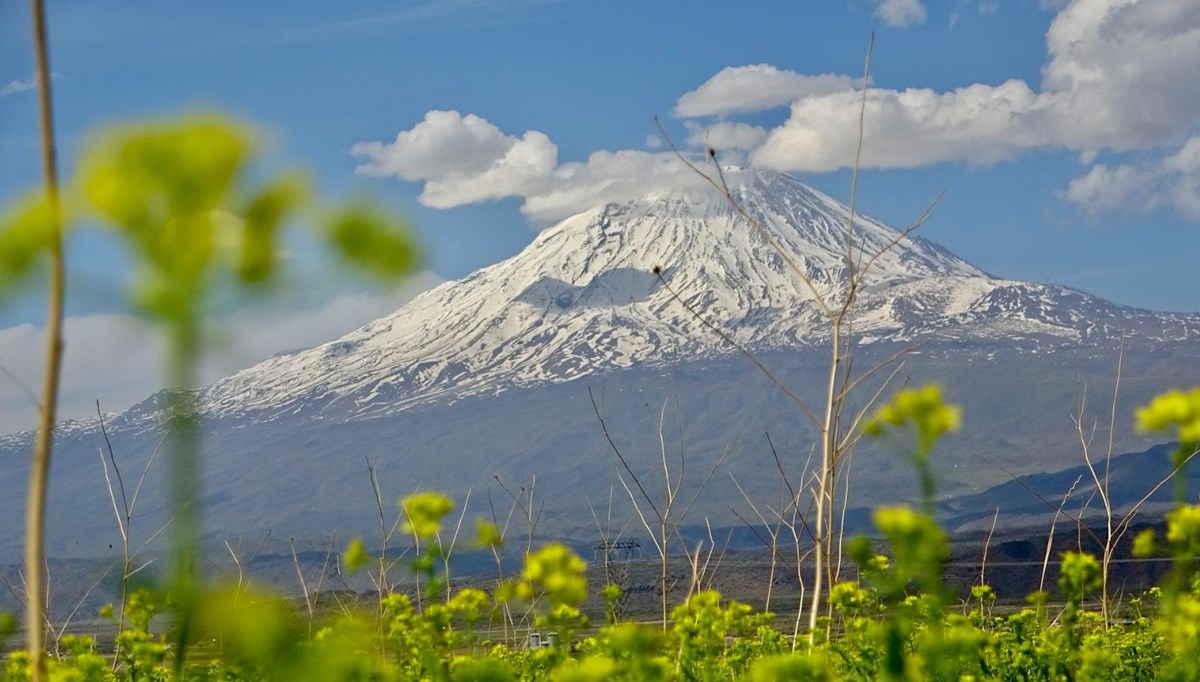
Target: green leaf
x: 423, y: 513
x: 355, y: 557
x: 26, y: 232
x: 482, y: 670
x: 264, y: 215
x: 488, y: 534
x: 381, y: 246
x: 1144, y: 545
x: 141, y: 175
x: 164, y: 186
x: 8, y: 624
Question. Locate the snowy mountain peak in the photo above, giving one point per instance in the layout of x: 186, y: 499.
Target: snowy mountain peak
x: 585, y: 296
x: 607, y: 256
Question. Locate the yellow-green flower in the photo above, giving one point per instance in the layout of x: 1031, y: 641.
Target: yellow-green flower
x: 1183, y: 525
x: 423, y: 513
x: 488, y: 534
x: 1080, y: 573
x: 356, y: 556
x: 919, y: 545
x: 1172, y: 409
x: 923, y: 408
x: 560, y: 572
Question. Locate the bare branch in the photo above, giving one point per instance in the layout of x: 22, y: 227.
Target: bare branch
x: 744, y: 351
x: 1054, y: 524
x: 1123, y: 526
x: 22, y: 386
x: 621, y: 457
x: 904, y: 234
x: 986, y: 544
x: 638, y: 510
x: 862, y: 117
x: 111, y: 456
x: 854, y: 433
x: 145, y: 471
x: 708, y: 477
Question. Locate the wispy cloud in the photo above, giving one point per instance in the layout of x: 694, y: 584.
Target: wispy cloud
x: 900, y: 13
x: 14, y: 87
x: 18, y: 86
x: 418, y: 14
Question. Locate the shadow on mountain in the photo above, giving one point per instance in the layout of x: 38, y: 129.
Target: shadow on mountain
x: 616, y: 287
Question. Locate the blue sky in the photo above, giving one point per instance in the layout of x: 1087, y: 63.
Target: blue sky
x: 1065, y: 134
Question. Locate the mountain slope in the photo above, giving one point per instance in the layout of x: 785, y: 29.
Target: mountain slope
x: 583, y: 298
x: 492, y: 376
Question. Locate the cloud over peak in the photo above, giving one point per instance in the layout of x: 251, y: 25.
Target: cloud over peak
x: 758, y: 87
x: 467, y: 159
x: 978, y: 124
x: 1118, y: 77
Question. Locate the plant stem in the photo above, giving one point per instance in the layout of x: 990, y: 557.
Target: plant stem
x: 184, y: 477
x: 35, y: 513
x: 825, y: 483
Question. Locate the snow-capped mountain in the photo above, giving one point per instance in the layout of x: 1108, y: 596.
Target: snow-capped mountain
x: 489, y: 376
x: 584, y: 297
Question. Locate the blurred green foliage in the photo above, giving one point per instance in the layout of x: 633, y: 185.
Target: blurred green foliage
x: 26, y: 231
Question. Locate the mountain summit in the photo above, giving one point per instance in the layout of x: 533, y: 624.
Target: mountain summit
x: 584, y: 298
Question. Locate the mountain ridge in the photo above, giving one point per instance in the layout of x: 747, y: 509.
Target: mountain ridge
x: 584, y: 297
x: 485, y: 377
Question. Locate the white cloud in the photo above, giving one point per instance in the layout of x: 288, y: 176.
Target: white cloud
x: 900, y: 13
x: 1172, y: 182
x: 248, y: 336
x: 606, y: 176
x: 13, y: 87
x: 1121, y: 74
x: 467, y: 159
x: 989, y: 8
x: 118, y: 359
x: 1118, y: 77
x: 743, y: 89
x: 461, y: 159
x: 727, y: 136
x: 904, y: 128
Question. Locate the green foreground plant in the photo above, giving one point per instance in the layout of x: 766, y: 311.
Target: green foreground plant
x: 178, y: 195
x: 893, y: 623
